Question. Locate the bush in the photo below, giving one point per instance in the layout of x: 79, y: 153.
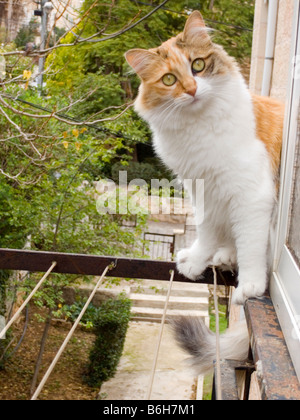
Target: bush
x: 111, y: 325
x: 26, y: 34
x: 145, y: 171
x: 135, y: 170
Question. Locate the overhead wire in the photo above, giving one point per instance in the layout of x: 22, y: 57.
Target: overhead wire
x: 218, y: 352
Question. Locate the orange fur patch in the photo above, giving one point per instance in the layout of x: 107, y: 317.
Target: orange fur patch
x: 269, y: 114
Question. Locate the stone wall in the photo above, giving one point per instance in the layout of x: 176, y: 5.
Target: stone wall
x: 16, y: 13
x: 13, y: 15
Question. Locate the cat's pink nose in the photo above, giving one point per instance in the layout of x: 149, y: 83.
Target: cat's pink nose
x: 191, y: 90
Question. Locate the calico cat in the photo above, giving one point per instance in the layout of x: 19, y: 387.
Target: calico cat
x: 206, y: 125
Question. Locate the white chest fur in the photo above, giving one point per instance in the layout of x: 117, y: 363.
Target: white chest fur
x: 214, y: 139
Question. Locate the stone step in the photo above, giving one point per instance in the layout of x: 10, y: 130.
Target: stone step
x: 157, y: 287
x: 155, y: 314
x: 175, y: 302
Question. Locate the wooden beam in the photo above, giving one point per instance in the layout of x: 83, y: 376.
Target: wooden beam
x: 93, y: 265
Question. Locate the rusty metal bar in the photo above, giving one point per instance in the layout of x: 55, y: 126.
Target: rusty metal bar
x: 275, y: 370
x: 93, y: 265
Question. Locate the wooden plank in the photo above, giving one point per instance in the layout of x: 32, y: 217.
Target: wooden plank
x: 229, y: 379
x: 275, y: 371
x: 93, y: 265
x: 254, y: 393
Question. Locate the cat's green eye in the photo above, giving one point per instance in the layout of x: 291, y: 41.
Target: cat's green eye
x: 198, y: 65
x: 169, y: 79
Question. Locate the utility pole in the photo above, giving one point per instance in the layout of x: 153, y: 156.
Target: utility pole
x: 46, y: 7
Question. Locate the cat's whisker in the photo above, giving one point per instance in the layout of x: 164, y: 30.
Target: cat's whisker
x: 171, y: 113
x: 166, y: 113
x: 162, y: 109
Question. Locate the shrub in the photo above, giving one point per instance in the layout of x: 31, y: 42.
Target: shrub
x: 110, y: 326
x: 135, y: 170
x: 145, y: 171
x: 26, y: 34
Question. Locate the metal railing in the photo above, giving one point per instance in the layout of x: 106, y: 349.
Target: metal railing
x: 157, y: 245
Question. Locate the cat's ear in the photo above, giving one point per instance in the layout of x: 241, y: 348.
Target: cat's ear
x: 195, y: 25
x: 142, y: 61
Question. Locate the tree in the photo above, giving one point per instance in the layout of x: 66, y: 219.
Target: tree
x: 24, y: 119
x: 86, y: 72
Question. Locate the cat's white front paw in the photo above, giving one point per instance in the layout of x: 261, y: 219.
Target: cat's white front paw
x: 225, y: 257
x: 189, y: 264
x: 248, y: 290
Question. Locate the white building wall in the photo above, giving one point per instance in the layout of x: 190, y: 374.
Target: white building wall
x: 282, y: 48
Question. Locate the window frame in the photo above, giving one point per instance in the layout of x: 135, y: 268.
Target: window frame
x: 285, y: 279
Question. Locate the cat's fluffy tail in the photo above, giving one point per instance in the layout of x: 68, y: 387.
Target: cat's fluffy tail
x: 194, y: 337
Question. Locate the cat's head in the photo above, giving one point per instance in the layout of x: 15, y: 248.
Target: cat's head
x: 183, y: 73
